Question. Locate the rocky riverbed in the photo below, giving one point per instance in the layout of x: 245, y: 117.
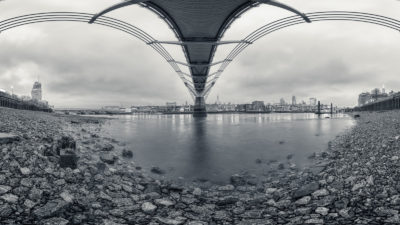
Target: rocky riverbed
x: 59, y: 170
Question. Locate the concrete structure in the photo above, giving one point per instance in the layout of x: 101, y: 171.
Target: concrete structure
x: 387, y: 103
x: 199, y: 26
x: 12, y: 101
x: 294, y: 102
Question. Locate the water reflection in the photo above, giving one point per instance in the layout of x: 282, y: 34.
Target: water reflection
x: 220, y: 145
x: 199, y: 151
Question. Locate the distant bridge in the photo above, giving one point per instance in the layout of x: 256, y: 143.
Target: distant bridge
x: 199, y: 26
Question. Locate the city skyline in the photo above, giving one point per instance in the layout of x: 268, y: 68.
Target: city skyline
x: 126, y: 71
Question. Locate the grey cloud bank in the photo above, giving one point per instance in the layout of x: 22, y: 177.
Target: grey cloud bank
x: 84, y: 65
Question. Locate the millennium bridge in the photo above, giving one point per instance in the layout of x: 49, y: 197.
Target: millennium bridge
x: 199, y: 26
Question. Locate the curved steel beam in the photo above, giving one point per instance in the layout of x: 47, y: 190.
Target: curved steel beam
x: 295, y: 20
x: 116, y: 6
x: 104, y: 21
x: 284, y: 6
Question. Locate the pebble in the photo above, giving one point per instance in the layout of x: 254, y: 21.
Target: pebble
x: 148, y: 208
x: 25, y: 171
x: 304, y: 200
x: 322, y: 210
x: 4, y: 189
x: 10, y: 198
x: 360, y: 171
x: 320, y: 193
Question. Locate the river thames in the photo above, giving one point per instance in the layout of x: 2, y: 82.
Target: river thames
x: 220, y: 145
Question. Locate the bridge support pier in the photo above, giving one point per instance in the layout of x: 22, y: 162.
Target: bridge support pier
x: 199, y: 107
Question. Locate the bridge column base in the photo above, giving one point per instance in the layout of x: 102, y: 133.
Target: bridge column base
x: 200, y: 107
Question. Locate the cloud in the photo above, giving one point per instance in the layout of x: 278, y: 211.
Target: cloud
x: 83, y: 65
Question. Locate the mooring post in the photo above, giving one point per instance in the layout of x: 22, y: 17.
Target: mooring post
x: 319, y: 107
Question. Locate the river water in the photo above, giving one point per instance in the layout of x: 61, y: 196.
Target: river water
x: 220, y: 145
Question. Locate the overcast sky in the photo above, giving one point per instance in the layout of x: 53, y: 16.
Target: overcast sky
x: 89, y: 66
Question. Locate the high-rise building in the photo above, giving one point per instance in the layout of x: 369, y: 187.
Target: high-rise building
x: 282, y: 101
x: 364, y: 98
x: 376, y: 94
x: 258, y: 105
x: 37, y: 91
x: 313, y: 101
x: 376, y: 91
x: 294, y: 100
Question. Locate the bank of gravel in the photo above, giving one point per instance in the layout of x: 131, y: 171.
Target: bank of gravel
x: 356, y: 181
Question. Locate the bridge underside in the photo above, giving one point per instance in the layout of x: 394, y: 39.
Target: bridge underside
x: 199, y: 26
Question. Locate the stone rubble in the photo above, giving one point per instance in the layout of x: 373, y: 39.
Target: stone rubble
x: 356, y: 181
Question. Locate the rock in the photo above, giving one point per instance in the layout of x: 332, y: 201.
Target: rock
x: 4, y: 189
x: 152, y: 187
x: 197, y: 192
x: 50, y: 209
x: 370, y: 180
x: 283, y: 204
x: 66, y: 142
x: 164, y: 202
x: 290, y: 156
x: 110, y: 222
x: 10, y: 198
x: 395, y: 219
x: 358, y: 186
x: 303, y: 201
x: 8, y: 138
x: 341, y: 203
x: 25, y: 170
x: 35, y: 194
x: 68, y: 159
x: 322, y: 210
x: 229, y: 200
x: 107, y: 147
x: 303, y: 211
x: 253, y: 214
x: 67, y: 197
x: 325, y: 201
x: 270, y: 190
x: 5, y: 211
x: 382, y: 211
x: 170, y: 221
x: 148, y: 208
x: 344, y: 213
x: 320, y: 193
x: 127, y: 153
x: 237, y: 180
x: 228, y: 187
x: 281, y: 166
x: 29, y: 204
x: 314, y: 221
x: 157, y: 170
x: 197, y: 222
x: 108, y: 158
x: 55, y: 221
x: 306, y: 189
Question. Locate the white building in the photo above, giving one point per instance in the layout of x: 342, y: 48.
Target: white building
x: 37, y: 91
